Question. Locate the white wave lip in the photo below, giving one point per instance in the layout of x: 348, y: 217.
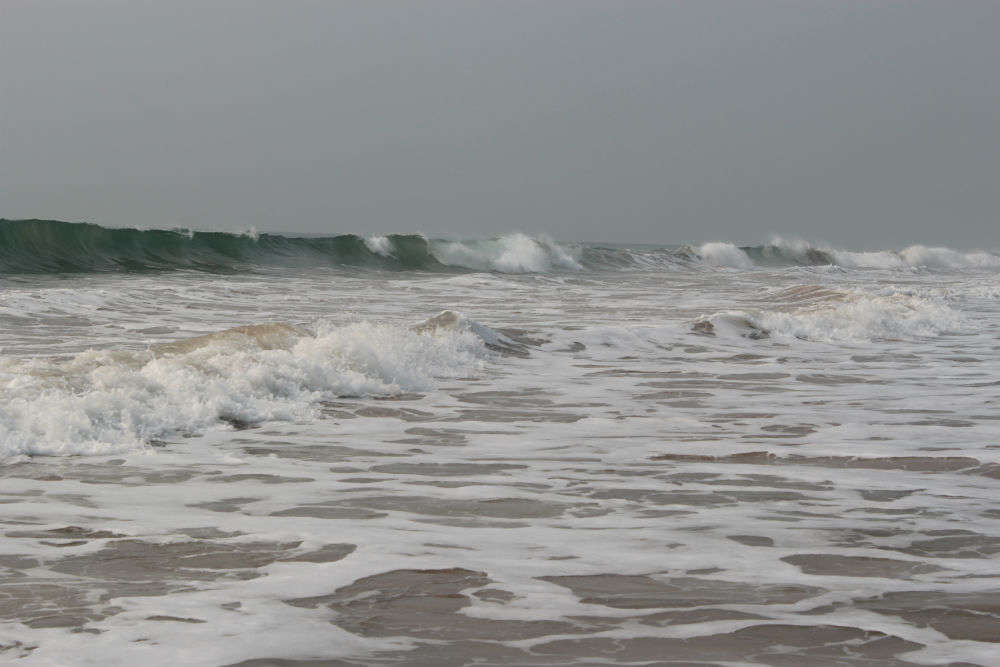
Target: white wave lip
x: 912, y: 257
x: 251, y: 234
x: 724, y: 255
x: 380, y: 245
x: 100, y: 402
x: 727, y: 255
x: 917, y: 257
x: 513, y: 253
x: 946, y: 258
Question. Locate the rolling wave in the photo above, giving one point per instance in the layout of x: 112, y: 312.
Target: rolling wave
x: 114, y: 400
x: 781, y: 252
x: 50, y: 246
x: 821, y: 314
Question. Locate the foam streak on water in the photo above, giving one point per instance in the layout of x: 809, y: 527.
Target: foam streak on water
x: 712, y: 455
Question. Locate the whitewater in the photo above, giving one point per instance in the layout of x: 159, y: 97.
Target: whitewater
x: 355, y: 449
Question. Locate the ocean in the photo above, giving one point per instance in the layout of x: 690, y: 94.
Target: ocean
x: 256, y: 449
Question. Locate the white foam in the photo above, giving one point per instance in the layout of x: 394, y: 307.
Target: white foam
x: 380, y: 245
x: 917, y: 257
x: 859, y: 318
x: 912, y: 257
x: 804, y: 252
x: 946, y: 258
x: 513, y: 253
x: 883, y: 259
x: 794, y: 247
x: 107, y: 401
x: 599, y: 475
x: 724, y: 255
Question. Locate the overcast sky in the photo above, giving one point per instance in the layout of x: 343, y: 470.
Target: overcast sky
x: 861, y: 124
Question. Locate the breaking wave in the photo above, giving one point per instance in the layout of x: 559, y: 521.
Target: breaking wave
x: 514, y: 253
x: 49, y: 246
x: 104, y: 401
x: 816, y: 313
x: 781, y: 252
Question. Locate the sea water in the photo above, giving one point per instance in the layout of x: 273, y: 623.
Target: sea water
x: 221, y: 449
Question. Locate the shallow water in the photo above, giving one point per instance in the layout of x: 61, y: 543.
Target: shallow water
x: 777, y: 466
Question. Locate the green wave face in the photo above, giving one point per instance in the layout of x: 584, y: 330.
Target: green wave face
x: 775, y: 255
x: 50, y: 246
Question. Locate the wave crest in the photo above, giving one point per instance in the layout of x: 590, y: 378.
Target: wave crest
x: 724, y: 254
x: 47, y: 246
x: 513, y: 253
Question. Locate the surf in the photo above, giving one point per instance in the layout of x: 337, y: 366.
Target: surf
x: 114, y: 400
x: 56, y: 247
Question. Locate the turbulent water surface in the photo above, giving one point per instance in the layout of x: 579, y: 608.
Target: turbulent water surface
x: 252, y: 449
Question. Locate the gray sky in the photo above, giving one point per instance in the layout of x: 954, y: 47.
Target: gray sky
x: 863, y: 124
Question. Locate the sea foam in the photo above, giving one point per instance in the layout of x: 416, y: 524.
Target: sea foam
x: 513, y: 253
x: 724, y: 255
x: 852, y: 318
x: 104, y: 401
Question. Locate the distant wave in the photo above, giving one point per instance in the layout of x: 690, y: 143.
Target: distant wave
x: 49, y: 246
x: 780, y: 252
